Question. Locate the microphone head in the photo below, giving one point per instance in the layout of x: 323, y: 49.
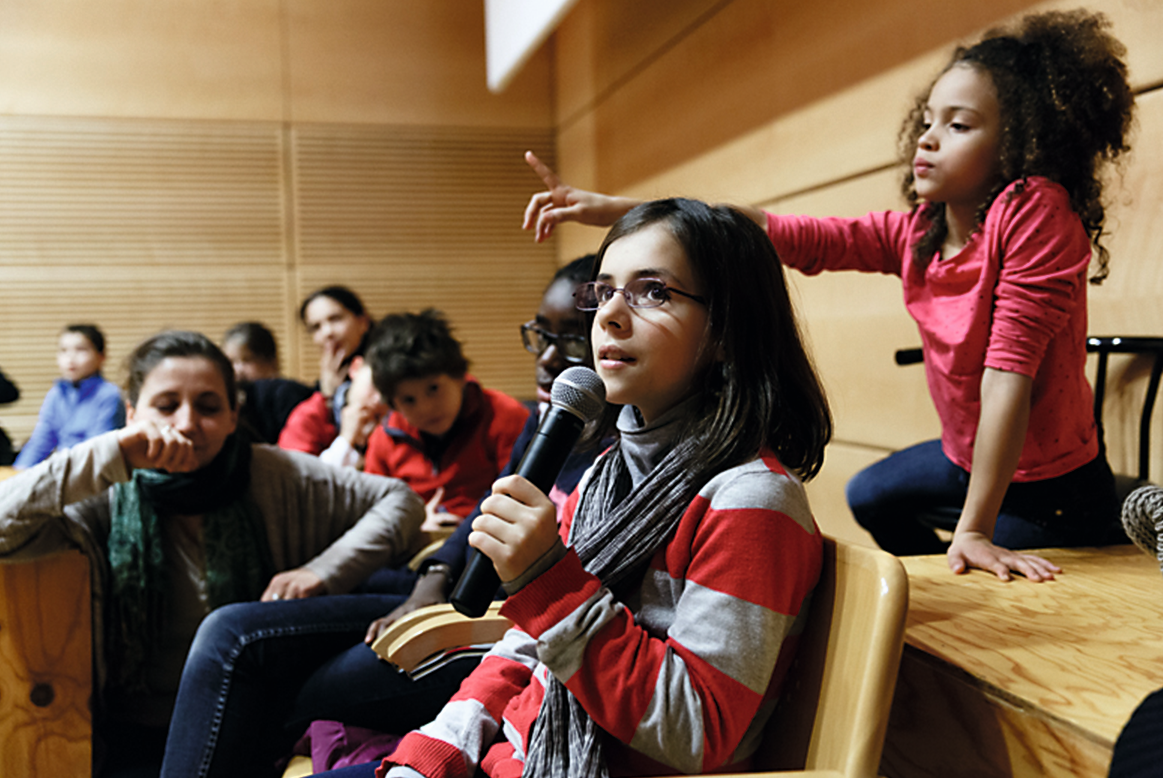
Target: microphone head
x: 579, y: 390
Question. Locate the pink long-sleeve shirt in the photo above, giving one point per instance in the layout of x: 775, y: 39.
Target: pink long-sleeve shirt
x: 1014, y: 299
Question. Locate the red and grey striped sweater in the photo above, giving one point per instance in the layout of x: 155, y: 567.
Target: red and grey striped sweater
x: 683, y: 676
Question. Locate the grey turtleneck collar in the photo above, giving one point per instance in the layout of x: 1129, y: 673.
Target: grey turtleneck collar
x: 643, y: 445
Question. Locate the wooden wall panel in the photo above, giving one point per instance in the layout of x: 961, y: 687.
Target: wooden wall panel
x: 826, y: 491
x: 574, y: 240
x: 129, y: 304
x: 374, y: 61
x: 744, y: 63
x: 110, y: 192
x: 148, y: 179
x: 1130, y: 301
x: 404, y: 62
x: 147, y: 226
x: 607, y: 43
x: 187, y: 59
x: 815, y: 146
x: 135, y: 226
x: 415, y: 218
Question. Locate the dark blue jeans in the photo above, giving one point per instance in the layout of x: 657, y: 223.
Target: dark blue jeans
x: 259, y: 672
x: 900, y: 498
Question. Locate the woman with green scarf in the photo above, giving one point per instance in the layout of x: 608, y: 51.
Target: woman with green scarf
x: 178, y: 517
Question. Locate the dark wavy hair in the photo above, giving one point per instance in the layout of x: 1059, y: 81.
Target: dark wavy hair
x: 176, y: 343
x: 577, y: 271
x: 349, y: 300
x: 1066, y: 109
x: 764, y: 393
x: 413, y: 345
x: 340, y: 294
x: 257, y: 338
x: 91, y: 333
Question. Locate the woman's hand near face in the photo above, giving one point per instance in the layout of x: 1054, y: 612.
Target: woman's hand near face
x: 332, y: 370
x: 517, y: 526
x: 564, y: 203
x: 357, y: 421
x: 150, y: 445
x: 294, y: 585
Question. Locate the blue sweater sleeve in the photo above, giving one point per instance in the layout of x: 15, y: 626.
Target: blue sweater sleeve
x: 44, y: 435
x: 109, y: 411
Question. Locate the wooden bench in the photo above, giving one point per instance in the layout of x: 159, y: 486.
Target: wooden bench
x: 1025, y: 679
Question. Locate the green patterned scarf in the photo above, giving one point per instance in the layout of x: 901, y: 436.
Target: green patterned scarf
x: 238, y: 560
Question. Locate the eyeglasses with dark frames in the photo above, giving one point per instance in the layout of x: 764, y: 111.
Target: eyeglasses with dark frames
x: 639, y: 293
x: 573, y: 348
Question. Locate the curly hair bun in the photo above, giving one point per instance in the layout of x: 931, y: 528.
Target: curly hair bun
x: 1081, y: 76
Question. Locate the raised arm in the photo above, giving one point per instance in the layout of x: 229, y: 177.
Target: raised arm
x: 52, y: 505
x: 561, y: 202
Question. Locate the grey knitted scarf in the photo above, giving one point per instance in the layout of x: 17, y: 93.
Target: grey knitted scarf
x: 616, y: 529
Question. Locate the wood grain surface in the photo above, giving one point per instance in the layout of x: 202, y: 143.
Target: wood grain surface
x: 45, y: 667
x: 1021, y: 678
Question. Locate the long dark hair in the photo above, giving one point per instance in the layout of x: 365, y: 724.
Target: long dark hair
x: 349, y: 300
x: 764, y: 392
x: 1065, y: 107
x: 340, y: 294
x: 176, y: 343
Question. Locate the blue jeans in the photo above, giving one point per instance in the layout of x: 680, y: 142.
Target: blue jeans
x: 259, y: 672
x: 900, y: 498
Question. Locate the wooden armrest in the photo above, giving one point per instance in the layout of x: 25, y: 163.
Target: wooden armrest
x: 432, y: 540
x: 46, y: 682
x: 426, y: 631
x: 418, y: 558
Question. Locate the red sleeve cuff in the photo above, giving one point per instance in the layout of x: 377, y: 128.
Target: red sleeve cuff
x: 551, y: 596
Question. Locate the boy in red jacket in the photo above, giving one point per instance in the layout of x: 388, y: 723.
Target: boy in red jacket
x: 447, y: 437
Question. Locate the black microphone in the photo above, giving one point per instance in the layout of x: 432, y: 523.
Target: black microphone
x: 578, y: 396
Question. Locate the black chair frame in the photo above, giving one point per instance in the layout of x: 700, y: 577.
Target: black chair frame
x: 1103, y: 346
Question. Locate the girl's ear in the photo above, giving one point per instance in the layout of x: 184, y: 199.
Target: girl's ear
x: 128, y: 412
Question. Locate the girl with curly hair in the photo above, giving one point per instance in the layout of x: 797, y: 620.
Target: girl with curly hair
x: 1004, y: 154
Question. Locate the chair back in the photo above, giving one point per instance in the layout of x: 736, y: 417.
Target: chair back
x: 1145, y: 347
x: 834, y: 710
